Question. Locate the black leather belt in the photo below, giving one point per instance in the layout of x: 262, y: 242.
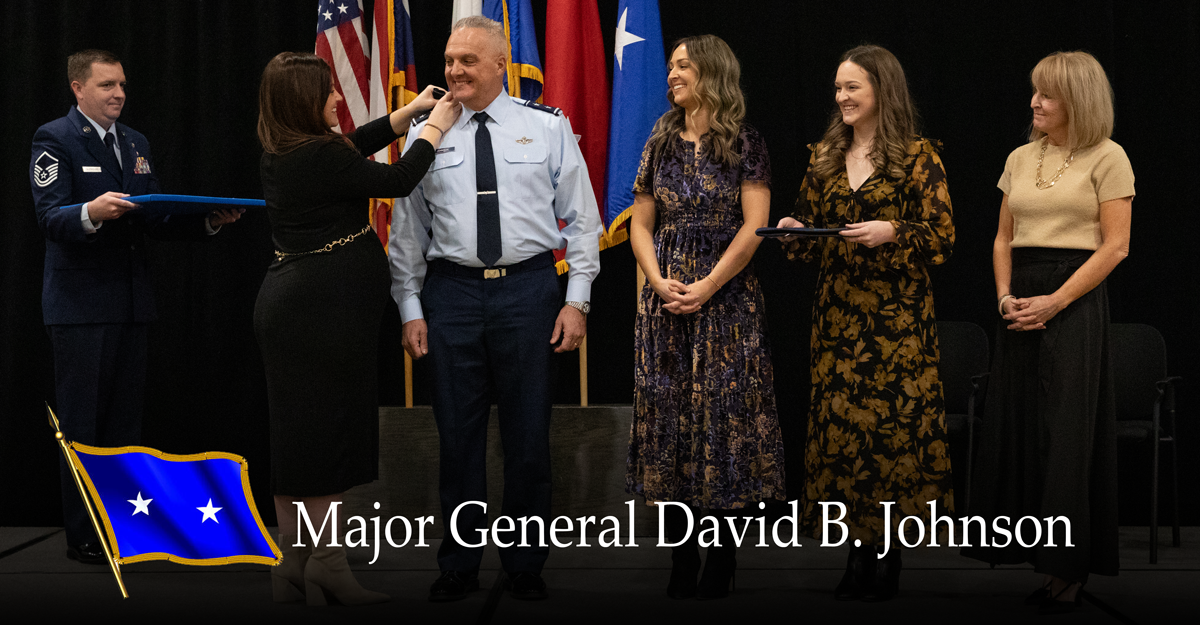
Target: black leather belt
x: 448, y: 268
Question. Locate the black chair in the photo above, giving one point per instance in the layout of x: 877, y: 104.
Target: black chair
x: 1146, y: 408
x: 963, y: 370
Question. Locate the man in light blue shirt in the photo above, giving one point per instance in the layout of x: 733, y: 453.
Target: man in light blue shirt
x: 473, y: 274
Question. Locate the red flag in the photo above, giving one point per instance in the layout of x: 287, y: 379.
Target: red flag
x: 577, y: 80
x: 393, y: 85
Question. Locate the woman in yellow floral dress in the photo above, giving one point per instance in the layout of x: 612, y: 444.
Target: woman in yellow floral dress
x: 876, y: 430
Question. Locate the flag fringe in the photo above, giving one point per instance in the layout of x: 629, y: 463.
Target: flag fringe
x: 616, y: 234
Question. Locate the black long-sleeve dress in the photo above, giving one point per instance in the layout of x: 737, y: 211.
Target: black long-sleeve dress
x: 317, y: 316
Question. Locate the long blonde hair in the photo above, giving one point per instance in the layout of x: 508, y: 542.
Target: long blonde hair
x: 1079, y: 81
x: 895, y: 111
x: 718, y: 78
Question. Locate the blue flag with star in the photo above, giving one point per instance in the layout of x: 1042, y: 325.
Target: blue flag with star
x: 194, y: 509
x: 639, y: 98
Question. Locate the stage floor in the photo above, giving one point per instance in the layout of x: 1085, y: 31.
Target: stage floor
x: 625, y: 585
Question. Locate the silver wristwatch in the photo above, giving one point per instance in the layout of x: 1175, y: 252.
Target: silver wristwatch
x: 583, y: 307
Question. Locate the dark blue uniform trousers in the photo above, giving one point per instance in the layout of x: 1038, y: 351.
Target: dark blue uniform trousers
x: 487, y: 335
x: 99, y: 387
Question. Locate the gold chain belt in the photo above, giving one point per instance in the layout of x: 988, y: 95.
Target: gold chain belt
x: 328, y: 246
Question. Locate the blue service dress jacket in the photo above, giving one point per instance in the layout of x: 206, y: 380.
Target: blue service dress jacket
x: 99, y: 277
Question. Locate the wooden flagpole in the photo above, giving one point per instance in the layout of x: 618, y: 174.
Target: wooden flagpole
x: 583, y: 389
x: 408, y: 389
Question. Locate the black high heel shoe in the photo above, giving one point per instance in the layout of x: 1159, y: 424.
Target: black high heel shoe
x: 1052, y: 605
x: 886, y: 581
x: 685, y: 558
x: 685, y: 565
x: 683, y: 582
x: 1039, y: 595
x: 860, y: 568
x: 719, y: 570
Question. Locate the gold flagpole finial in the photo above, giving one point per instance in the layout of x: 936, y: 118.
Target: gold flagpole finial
x: 53, y: 420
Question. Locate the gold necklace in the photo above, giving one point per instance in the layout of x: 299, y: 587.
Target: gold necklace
x: 1043, y: 184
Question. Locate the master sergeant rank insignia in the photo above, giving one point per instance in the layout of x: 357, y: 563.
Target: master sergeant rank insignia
x: 45, y: 170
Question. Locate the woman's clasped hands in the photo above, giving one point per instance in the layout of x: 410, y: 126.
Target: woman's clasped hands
x: 682, y: 299
x: 1031, y: 313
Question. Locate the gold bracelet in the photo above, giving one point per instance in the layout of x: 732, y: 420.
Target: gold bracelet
x: 429, y: 125
x: 713, y: 281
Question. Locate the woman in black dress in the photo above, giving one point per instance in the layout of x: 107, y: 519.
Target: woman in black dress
x: 319, y: 309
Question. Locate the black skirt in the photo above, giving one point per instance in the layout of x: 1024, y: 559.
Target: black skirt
x: 1048, y: 442
x: 317, y: 321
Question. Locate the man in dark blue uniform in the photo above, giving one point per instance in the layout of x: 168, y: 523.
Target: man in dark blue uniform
x: 96, y: 293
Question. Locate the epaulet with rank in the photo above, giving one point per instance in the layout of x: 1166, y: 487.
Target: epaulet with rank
x: 540, y: 107
x: 420, y: 118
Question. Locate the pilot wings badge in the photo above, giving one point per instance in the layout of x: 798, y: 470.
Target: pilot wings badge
x: 524, y: 140
x: 45, y: 170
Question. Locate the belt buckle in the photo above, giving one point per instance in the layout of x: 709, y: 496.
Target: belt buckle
x: 489, y: 274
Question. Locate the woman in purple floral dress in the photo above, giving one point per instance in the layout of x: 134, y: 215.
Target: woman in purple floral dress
x: 705, y: 431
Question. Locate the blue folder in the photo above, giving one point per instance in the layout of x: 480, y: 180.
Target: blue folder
x: 189, y: 204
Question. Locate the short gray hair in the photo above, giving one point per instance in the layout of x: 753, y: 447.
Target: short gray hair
x: 494, y: 30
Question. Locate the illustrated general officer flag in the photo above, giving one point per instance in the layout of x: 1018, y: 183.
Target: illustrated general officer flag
x: 194, y: 509
x: 150, y: 505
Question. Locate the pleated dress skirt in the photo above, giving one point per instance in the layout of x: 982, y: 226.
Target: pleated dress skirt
x: 1048, y: 442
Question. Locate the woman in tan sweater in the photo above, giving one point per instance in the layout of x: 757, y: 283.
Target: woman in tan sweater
x: 1048, y: 447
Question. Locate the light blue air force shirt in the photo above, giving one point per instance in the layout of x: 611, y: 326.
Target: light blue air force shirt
x: 540, y: 178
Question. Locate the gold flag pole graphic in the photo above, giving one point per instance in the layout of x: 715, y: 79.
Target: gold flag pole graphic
x: 87, y: 502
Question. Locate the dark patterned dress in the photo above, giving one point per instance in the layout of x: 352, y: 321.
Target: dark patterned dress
x: 876, y: 429
x: 705, y: 429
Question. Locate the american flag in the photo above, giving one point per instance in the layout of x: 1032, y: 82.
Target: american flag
x: 342, y: 43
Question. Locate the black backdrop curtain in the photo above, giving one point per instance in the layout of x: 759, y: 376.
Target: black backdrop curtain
x: 193, y: 70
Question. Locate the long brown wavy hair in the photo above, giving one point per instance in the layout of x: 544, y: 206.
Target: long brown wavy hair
x: 894, y: 109
x: 718, y: 87
x: 291, y: 102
